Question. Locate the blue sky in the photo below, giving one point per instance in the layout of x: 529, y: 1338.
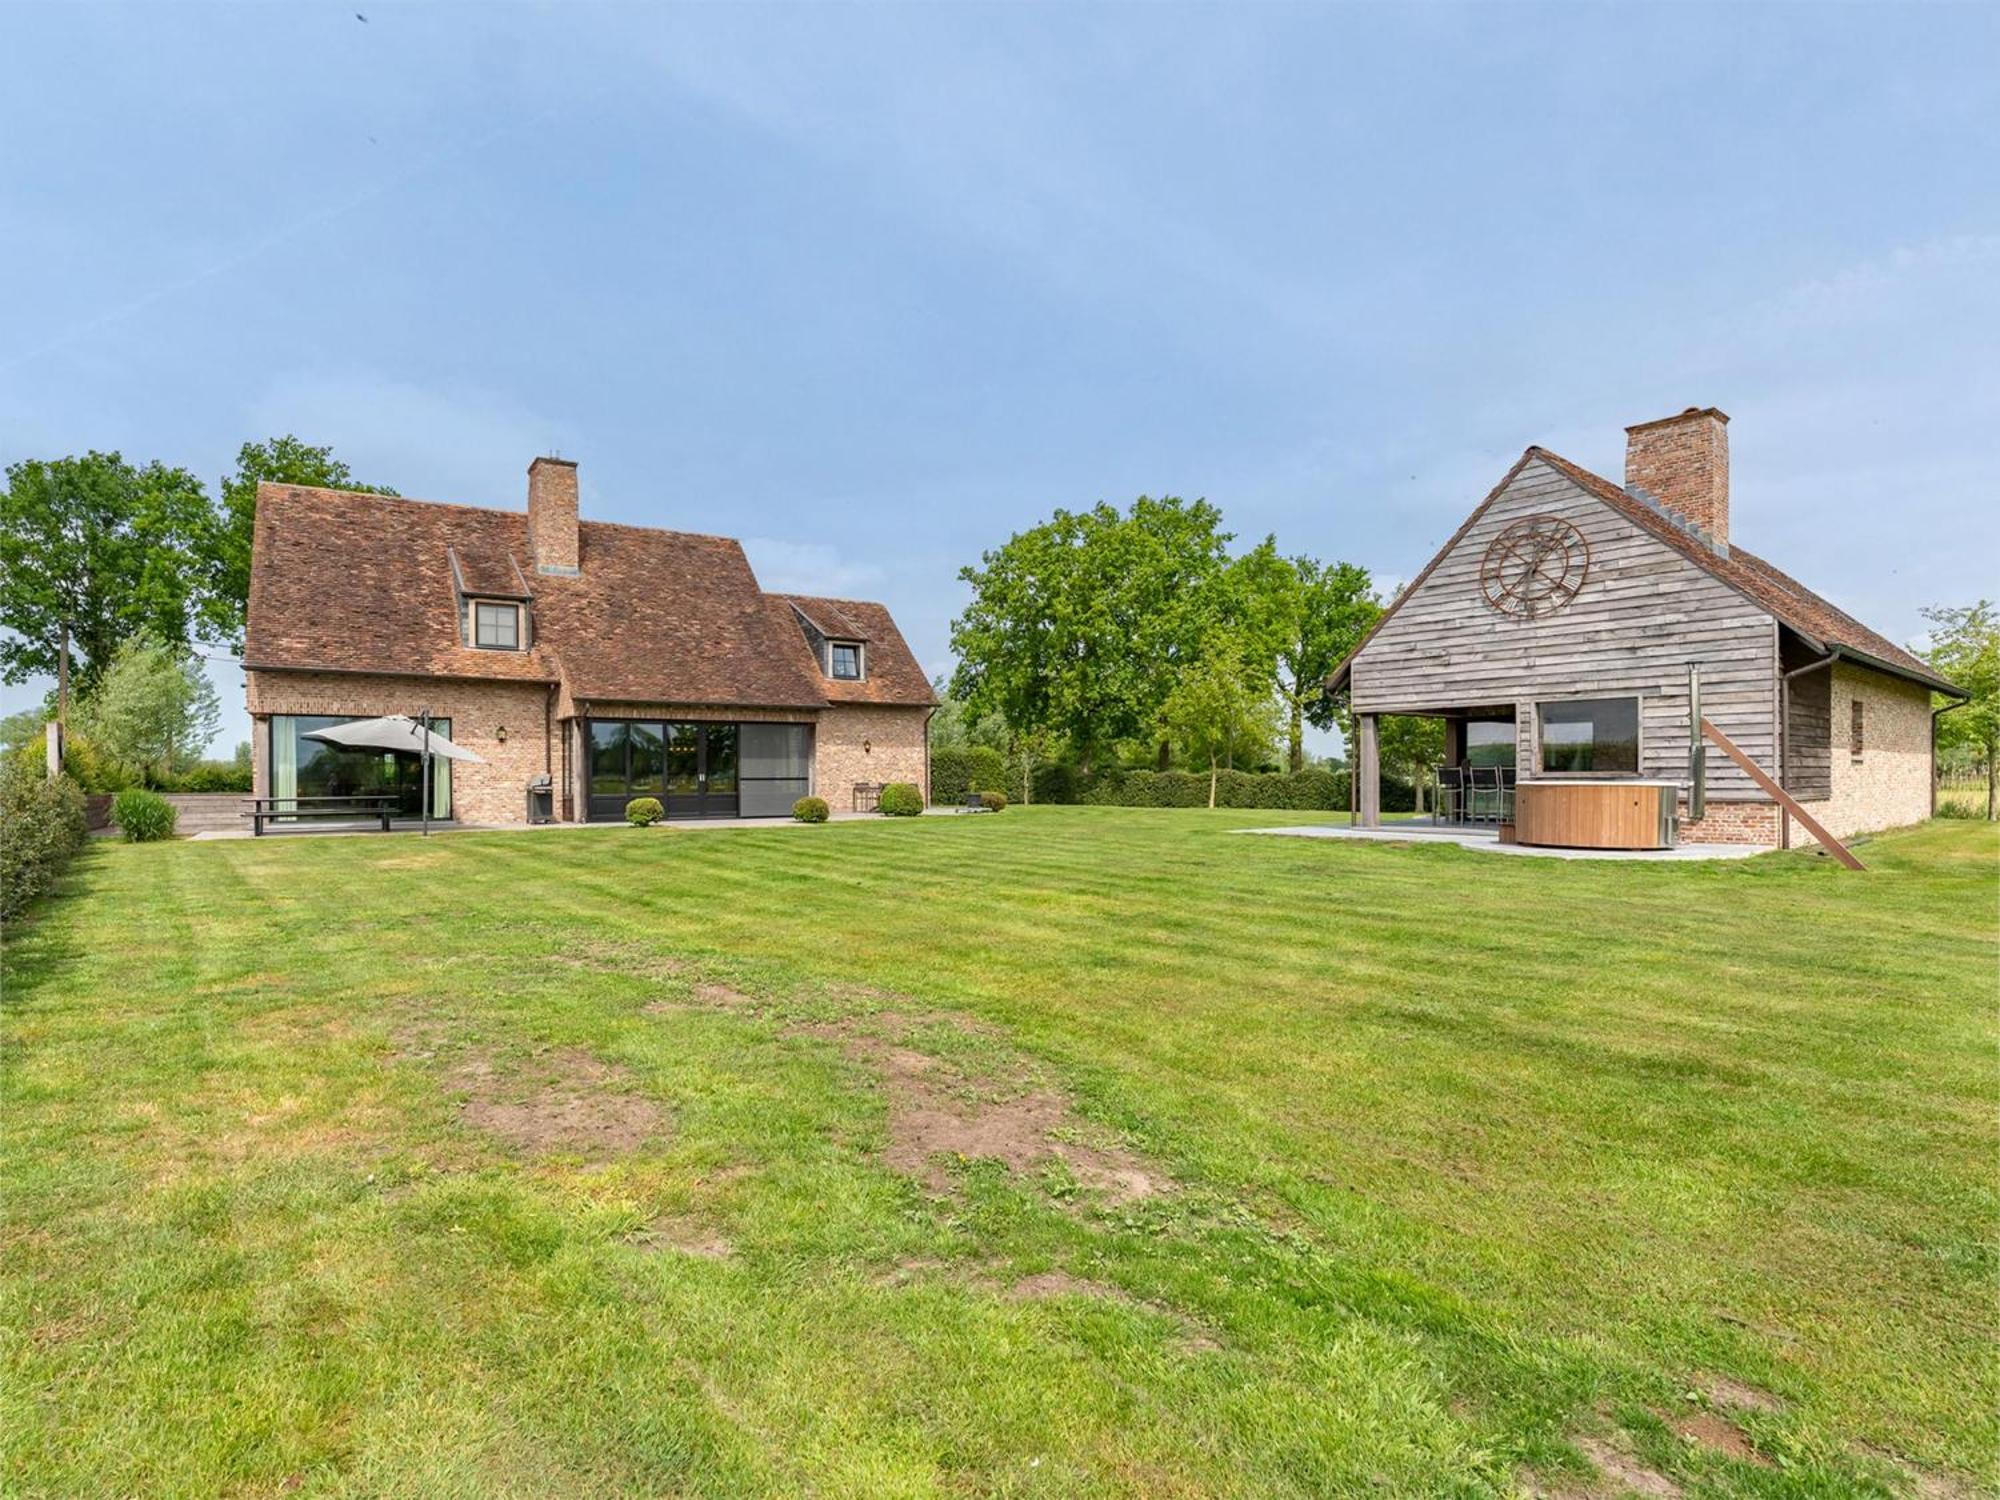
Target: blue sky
x: 874, y: 287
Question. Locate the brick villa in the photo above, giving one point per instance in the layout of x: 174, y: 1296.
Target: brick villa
x: 618, y: 661
x: 1578, y: 630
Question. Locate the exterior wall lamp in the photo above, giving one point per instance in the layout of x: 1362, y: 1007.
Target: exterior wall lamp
x: 500, y: 734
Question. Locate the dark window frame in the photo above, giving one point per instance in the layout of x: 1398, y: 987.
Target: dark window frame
x: 496, y: 605
x: 1638, y: 737
x: 833, y: 650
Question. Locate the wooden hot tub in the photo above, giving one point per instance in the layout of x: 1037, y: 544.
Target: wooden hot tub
x: 1593, y: 813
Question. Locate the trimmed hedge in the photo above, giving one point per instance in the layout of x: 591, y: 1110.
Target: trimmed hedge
x: 643, y: 812
x: 901, y: 800
x: 209, y: 776
x: 1305, y: 791
x: 993, y: 801
x: 143, y: 817
x: 41, y: 828
x: 967, y: 768
x: 811, y: 810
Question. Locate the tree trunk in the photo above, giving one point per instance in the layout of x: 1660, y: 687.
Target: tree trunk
x: 1992, y: 779
x: 1166, y: 757
x: 1211, y: 783
x: 1297, y: 760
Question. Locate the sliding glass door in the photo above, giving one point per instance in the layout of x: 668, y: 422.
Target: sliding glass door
x: 312, y: 768
x: 691, y: 767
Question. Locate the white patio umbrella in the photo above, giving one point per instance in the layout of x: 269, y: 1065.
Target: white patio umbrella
x: 398, y: 732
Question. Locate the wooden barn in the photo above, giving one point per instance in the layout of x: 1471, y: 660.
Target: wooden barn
x: 1575, y: 634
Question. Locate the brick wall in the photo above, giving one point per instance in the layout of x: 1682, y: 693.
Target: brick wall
x: 1732, y: 823
x: 495, y: 792
x: 858, y: 742
x: 1889, y: 784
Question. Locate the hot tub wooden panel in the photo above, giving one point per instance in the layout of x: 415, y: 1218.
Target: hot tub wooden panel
x: 1590, y: 814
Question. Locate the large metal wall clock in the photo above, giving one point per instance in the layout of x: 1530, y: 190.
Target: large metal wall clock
x: 1534, y: 567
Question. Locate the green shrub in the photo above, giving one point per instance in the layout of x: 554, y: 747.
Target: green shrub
x: 41, y: 828
x: 994, y: 801
x: 901, y: 800
x: 810, y: 809
x: 210, y: 776
x: 143, y: 816
x: 643, y: 812
x: 966, y: 768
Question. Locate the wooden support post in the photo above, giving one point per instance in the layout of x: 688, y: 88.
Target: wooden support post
x: 1782, y: 797
x: 1368, y: 773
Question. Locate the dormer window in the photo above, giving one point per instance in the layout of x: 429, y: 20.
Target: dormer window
x: 846, y: 660
x: 496, y: 627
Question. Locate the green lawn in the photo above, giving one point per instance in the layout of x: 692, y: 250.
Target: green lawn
x: 662, y: 1162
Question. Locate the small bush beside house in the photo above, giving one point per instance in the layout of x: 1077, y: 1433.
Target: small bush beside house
x: 901, y: 800
x: 41, y: 828
x: 993, y: 801
x: 810, y: 809
x: 644, y: 812
x: 143, y: 816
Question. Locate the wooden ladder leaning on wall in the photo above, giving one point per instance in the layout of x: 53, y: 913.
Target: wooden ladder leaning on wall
x: 1782, y: 797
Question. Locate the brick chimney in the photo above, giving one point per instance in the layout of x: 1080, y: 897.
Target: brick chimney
x: 552, y: 515
x: 1683, y: 463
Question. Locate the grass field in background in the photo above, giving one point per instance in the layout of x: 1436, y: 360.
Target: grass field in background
x: 603, y: 1162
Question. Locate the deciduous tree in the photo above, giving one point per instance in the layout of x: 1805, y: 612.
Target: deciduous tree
x: 1965, y: 648
x: 1081, y: 626
x: 113, y: 549
x: 152, y: 708
x: 1219, y: 701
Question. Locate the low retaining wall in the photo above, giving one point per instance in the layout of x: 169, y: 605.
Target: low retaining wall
x: 195, y: 812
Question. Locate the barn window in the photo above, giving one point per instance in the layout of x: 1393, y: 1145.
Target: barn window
x: 1854, y: 729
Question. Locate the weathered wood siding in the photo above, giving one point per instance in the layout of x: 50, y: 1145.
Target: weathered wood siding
x: 1644, y: 613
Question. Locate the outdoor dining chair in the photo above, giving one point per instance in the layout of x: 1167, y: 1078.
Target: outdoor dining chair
x: 1449, y: 804
x: 1485, y: 795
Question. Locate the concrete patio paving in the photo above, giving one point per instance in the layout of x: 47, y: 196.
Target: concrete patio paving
x: 1488, y: 839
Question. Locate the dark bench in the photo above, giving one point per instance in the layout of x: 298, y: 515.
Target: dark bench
x: 974, y: 802
x: 371, y: 806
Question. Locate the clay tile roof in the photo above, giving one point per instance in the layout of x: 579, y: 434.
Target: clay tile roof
x: 893, y: 673
x: 1790, y: 602
x: 489, y: 572
x: 346, y: 582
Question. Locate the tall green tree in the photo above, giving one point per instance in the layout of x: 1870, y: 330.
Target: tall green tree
x: 1965, y: 648
x: 1080, y: 626
x: 114, y: 549
x: 282, y: 460
x: 1323, y: 609
x: 152, y: 708
x: 1220, y: 701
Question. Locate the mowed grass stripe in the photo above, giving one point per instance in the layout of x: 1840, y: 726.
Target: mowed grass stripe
x: 1472, y: 1153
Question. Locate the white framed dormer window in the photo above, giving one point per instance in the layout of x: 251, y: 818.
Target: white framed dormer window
x: 496, y: 627
x: 844, y: 661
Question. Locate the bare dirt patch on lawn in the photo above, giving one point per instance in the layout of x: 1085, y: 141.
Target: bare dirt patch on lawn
x: 563, y: 1101
x: 1624, y: 1471
x: 947, y: 1111
x: 1734, y: 1395
x: 677, y: 1234
x: 1712, y: 1430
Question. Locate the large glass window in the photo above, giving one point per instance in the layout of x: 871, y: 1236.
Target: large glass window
x: 1489, y: 742
x: 312, y: 768
x: 649, y: 758
x: 608, y: 739
x: 497, y: 627
x: 1595, y: 736
x: 684, y: 760
x: 847, y: 661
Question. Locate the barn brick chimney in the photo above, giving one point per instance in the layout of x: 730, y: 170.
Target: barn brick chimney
x: 552, y: 538
x: 1683, y: 463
